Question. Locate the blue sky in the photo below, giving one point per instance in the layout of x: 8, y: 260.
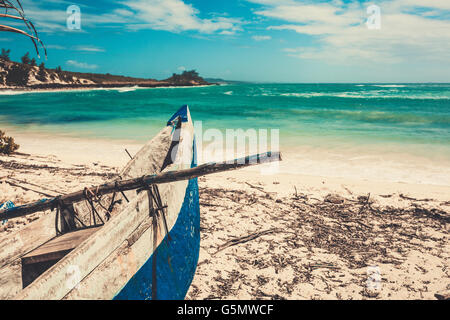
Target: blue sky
x: 251, y: 40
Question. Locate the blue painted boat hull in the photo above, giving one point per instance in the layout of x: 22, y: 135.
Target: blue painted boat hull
x: 176, y: 257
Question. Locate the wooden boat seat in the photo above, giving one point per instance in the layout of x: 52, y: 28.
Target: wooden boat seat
x: 44, y: 257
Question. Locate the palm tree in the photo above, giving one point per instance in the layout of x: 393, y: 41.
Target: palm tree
x: 19, y: 14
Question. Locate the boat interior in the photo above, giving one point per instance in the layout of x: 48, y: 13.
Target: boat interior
x: 45, y: 256
x: 45, y: 242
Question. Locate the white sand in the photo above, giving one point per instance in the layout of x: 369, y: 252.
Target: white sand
x: 240, y: 203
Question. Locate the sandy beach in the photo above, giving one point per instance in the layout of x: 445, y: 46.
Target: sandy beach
x: 282, y: 236
x: 352, y: 96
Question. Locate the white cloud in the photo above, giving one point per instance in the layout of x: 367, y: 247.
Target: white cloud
x: 82, y: 48
x: 436, y: 4
x: 261, y: 38
x: 176, y: 16
x: 341, y: 34
x: 227, y: 32
x: 55, y: 47
x: 81, y: 65
x: 88, y: 49
x: 168, y: 15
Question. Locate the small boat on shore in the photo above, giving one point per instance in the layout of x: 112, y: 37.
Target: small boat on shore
x: 147, y: 250
x: 137, y: 237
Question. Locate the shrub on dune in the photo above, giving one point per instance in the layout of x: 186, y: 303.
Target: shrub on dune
x: 7, y: 144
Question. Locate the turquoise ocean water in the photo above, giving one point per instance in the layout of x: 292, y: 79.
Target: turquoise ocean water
x: 406, y: 119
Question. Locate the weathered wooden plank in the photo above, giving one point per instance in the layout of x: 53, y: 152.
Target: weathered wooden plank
x: 58, y: 247
x: 58, y: 280
x: 15, y: 245
x: 111, y: 274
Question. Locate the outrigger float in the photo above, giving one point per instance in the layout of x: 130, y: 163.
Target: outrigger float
x: 137, y: 237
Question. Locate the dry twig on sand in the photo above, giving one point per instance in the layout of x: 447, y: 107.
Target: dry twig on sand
x: 236, y: 241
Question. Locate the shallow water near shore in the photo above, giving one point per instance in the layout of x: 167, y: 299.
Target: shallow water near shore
x: 395, y: 131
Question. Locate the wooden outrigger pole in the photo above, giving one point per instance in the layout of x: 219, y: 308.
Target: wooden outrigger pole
x: 144, y: 181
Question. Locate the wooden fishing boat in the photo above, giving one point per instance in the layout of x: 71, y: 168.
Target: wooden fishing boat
x: 134, y: 238
x: 147, y: 250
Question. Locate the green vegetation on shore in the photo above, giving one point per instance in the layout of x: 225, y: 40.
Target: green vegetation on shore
x: 7, y: 144
x: 26, y: 74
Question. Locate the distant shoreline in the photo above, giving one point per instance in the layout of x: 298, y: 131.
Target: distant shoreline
x: 15, y: 76
x: 59, y: 87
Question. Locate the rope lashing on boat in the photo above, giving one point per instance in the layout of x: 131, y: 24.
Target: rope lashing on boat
x: 163, y: 211
x: 90, y: 198
x: 123, y: 193
x: 58, y: 212
x: 176, y: 134
x: 68, y: 225
x: 113, y: 201
x: 94, y: 197
x: 159, y: 210
x: 156, y: 209
x: 154, y: 255
x: 175, y: 124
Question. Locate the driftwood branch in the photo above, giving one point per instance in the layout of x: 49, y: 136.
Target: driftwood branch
x: 136, y: 183
x: 253, y: 236
x: 28, y: 188
x: 55, y: 192
x: 413, y: 199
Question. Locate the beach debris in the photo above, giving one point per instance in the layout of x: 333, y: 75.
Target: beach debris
x: 365, y: 201
x: 296, y: 193
x: 269, y: 195
x: 76, y: 171
x: 255, y: 187
x: 334, y: 198
x: 211, y: 205
x: 128, y: 153
x: 413, y: 199
x: 33, y: 184
x: 27, y: 188
x: 252, y: 236
x: 321, y: 265
x: 308, y: 230
x: 347, y: 189
x: 260, y: 293
x: 370, y: 292
x: 442, y: 296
